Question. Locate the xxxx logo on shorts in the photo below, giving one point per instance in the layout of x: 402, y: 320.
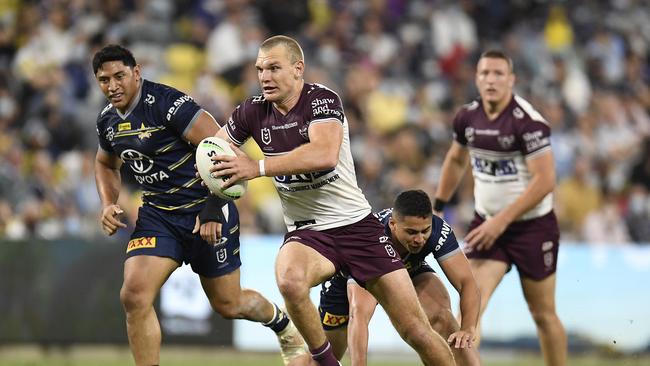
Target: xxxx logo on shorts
x: 144, y: 242
x: 334, y: 320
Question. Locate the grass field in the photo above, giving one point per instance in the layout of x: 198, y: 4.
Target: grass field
x: 192, y: 356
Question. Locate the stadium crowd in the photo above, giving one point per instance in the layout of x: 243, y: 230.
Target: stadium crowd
x: 404, y: 68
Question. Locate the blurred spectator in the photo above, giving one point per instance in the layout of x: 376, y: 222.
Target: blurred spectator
x: 404, y: 68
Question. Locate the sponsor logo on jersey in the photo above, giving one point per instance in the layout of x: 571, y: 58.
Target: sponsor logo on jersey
x: 231, y: 123
x: 150, y: 99
x: 285, y: 126
x: 138, y: 162
x: 444, y: 233
x: 139, y: 243
x: 258, y: 99
x: 495, y: 168
x: 222, y: 255
x: 124, y: 126
x: 177, y: 104
x: 334, y: 320
x: 535, y: 140
x: 266, y: 136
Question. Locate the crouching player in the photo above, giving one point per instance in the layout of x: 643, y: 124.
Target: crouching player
x: 416, y: 233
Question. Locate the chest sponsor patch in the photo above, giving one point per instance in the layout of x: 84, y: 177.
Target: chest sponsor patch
x: 139, y: 243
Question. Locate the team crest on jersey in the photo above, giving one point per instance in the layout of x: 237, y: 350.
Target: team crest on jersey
x: 150, y: 99
x: 222, y: 255
x: 144, y: 134
x: 303, y: 132
x: 506, y: 141
x: 266, y: 136
x: 518, y: 113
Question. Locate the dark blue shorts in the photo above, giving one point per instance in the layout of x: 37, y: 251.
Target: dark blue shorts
x: 334, y: 307
x: 164, y: 234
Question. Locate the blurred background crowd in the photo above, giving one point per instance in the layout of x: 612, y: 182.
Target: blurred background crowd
x: 402, y: 68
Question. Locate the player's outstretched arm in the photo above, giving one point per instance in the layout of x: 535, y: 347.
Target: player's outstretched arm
x: 459, y: 273
x: 362, y: 308
x: 109, y: 182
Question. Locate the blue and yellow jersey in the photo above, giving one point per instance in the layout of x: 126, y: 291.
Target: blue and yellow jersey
x: 442, y: 243
x: 149, y: 139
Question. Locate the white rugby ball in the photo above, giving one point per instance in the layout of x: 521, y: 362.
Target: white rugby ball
x: 209, y: 147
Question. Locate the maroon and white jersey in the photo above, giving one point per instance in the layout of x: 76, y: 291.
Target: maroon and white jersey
x: 498, y: 151
x: 318, y: 200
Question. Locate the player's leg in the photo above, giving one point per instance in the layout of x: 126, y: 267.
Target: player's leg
x: 298, y: 268
x: 540, y: 296
x: 362, y: 308
x: 334, y: 310
x: 435, y: 302
x: 338, y: 338
x: 144, y: 275
x: 397, y: 296
x: 232, y: 302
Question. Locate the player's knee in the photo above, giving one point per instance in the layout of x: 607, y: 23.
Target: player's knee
x: 227, y: 309
x: 414, y: 333
x: 443, y: 322
x: 134, y: 299
x: 292, y: 285
x: 542, y: 317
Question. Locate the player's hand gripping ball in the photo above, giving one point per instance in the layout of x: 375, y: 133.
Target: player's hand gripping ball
x: 209, y: 147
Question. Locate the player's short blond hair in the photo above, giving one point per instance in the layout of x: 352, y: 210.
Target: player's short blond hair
x: 291, y: 45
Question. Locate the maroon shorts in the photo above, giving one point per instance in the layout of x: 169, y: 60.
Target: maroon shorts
x: 362, y: 250
x: 532, y: 245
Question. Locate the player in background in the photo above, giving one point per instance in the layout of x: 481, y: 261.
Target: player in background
x: 507, y: 144
x: 154, y: 129
x: 303, y: 133
x: 415, y: 234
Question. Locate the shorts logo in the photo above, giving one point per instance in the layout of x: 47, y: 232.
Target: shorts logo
x: 139, y: 243
x: 222, y: 255
x: 547, y: 245
x: 334, y: 320
x: 124, y: 126
x: 390, y: 250
x: 266, y: 136
x: 548, y: 259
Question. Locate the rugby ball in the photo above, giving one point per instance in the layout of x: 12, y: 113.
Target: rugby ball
x: 209, y: 147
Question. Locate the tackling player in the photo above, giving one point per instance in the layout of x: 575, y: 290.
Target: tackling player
x: 153, y: 129
x: 415, y: 233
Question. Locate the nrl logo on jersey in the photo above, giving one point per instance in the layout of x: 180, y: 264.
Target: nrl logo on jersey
x: 266, y: 136
x: 469, y: 134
